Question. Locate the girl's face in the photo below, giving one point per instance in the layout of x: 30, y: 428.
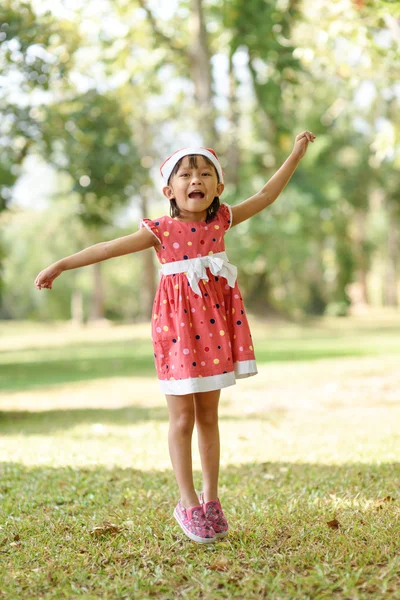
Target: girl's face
x: 194, y: 189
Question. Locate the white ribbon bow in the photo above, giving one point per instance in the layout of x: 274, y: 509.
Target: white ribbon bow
x: 218, y: 267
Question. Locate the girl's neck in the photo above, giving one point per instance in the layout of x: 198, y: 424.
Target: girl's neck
x: 192, y: 217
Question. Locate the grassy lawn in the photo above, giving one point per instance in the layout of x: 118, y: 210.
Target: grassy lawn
x: 310, y: 471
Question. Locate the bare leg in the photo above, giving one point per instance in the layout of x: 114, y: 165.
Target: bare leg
x: 206, y: 414
x: 181, y: 423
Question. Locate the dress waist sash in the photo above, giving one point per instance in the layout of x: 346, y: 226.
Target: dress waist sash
x: 195, y: 269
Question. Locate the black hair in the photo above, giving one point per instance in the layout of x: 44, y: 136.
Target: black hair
x: 214, y: 206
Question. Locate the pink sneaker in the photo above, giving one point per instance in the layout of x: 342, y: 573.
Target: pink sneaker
x: 194, y: 523
x: 215, y: 516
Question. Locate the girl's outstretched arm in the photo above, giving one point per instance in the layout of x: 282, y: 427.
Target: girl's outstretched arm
x: 271, y: 190
x: 134, y: 242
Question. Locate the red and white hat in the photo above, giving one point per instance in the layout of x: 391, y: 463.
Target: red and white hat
x: 168, y: 165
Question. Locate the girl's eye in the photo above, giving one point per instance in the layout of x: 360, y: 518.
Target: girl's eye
x: 188, y: 174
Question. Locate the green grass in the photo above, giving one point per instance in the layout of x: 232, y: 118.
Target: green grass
x: 87, y: 492
x: 280, y: 545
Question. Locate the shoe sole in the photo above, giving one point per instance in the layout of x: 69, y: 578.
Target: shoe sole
x: 192, y: 536
x: 222, y: 534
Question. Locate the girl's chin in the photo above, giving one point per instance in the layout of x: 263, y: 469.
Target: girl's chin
x: 194, y: 207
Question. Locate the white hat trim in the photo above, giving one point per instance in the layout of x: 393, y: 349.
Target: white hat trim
x: 169, y: 164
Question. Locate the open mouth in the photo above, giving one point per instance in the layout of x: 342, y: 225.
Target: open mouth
x: 196, y: 195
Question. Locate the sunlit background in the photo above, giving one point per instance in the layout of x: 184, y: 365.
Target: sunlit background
x: 95, y: 95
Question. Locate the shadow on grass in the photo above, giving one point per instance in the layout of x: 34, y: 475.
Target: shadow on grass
x: 31, y: 369
x: 55, y: 366
x: 50, y: 421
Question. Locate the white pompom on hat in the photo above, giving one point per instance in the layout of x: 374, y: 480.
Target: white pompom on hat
x: 168, y: 165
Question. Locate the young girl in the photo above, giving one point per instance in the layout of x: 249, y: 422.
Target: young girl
x: 201, y: 337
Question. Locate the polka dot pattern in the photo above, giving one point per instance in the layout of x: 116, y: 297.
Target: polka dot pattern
x: 196, y: 336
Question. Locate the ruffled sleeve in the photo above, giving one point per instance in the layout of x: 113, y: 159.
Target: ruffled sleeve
x: 152, y: 226
x: 225, y: 215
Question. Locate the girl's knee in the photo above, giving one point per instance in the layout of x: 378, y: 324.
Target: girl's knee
x: 206, y: 418
x: 183, y: 423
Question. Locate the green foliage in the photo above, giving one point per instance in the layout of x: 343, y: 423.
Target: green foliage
x: 35, y: 57
x: 33, y: 239
x: 312, y: 268
x: 39, y: 47
x: 391, y: 7
x: 89, y: 137
x: 264, y: 29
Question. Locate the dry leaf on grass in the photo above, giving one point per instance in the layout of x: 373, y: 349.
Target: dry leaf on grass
x: 382, y: 501
x: 221, y: 564
x: 105, y: 528
x: 334, y: 524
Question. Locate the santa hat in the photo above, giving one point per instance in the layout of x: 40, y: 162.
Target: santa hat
x: 168, y: 165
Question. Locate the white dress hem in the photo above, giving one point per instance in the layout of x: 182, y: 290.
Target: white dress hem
x: 192, y: 385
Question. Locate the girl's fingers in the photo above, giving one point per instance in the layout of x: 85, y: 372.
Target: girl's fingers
x: 309, y: 135
x: 43, y: 284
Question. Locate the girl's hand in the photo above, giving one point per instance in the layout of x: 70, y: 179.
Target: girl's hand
x: 47, y: 276
x: 301, y: 143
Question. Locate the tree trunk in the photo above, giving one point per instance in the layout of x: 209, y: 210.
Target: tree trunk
x: 77, y: 307
x: 391, y: 275
x: 97, y: 304
x: 259, y: 296
x: 363, y: 258
x: 198, y: 56
x: 148, y: 277
x: 148, y: 288
x: 232, y: 150
x: 200, y: 66
x: 316, y: 303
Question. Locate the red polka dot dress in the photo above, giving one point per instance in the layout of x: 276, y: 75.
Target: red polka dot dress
x: 201, y: 336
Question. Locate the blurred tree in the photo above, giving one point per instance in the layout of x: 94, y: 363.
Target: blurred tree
x: 328, y: 67
x: 87, y: 135
x: 89, y: 138
x: 34, y: 64
x: 261, y: 30
x: 381, y: 19
x: 35, y: 56
x: 140, y: 90
x: 193, y: 54
x: 338, y: 56
x: 33, y: 238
